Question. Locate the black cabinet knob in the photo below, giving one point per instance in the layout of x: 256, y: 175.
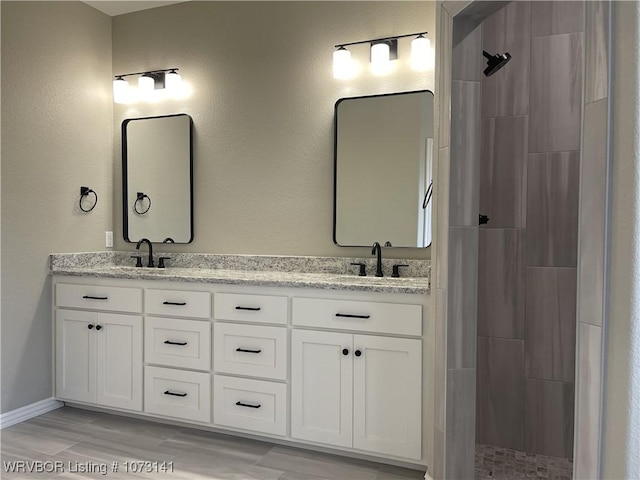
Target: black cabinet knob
x: 98, y: 327
x: 89, y: 326
x: 357, y: 353
x: 345, y: 351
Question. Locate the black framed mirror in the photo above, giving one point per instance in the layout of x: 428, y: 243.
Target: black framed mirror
x: 157, y: 178
x: 383, y: 170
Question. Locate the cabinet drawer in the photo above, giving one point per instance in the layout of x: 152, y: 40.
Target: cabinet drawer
x: 177, y: 342
x: 252, y: 350
x: 250, y: 404
x: 394, y: 318
x: 177, y: 393
x: 177, y: 303
x: 95, y: 297
x: 250, y: 308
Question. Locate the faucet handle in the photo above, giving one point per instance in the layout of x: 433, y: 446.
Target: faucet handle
x: 161, y: 261
x: 396, y: 270
x: 138, y: 260
x: 363, y: 271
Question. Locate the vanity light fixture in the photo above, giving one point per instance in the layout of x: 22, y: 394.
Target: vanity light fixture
x: 383, y: 50
x: 167, y: 80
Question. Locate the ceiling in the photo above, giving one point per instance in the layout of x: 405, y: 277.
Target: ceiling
x: 119, y: 7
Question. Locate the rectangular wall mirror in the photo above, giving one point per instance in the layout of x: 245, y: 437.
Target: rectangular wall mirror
x: 157, y: 179
x: 383, y: 170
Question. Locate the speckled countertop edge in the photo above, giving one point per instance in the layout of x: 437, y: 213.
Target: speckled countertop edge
x: 329, y: 273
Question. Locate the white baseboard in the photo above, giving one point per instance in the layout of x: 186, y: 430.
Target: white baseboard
x: 427, y: 476
x: 29, y: 411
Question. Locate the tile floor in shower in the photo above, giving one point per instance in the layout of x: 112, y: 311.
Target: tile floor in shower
x: 506, y: 464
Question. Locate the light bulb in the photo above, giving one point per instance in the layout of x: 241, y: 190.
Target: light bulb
x: 146, y: 83
x: 420, y: 53
x: 172, y: 81
x: 121, y: 92
x: 146, y: 88
x: 380, y: 58
x: 342, y: 67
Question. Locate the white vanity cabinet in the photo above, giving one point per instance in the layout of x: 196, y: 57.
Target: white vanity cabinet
x: 98, y: 353
x: 355, y: 390
x: 344, y: 370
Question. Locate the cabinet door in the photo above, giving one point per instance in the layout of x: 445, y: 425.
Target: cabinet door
x: 119, y: 361
x: 387, y: 395
x: 75, y: 355
x: 321, y: 387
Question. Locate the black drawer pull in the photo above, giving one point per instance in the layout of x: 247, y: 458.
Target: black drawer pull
x: 169, y: 342
x: 348, y: 315
x: 246, y: 350
x: 252, y: 309
x: 180, y: 304
x: 91, y: 297
x: 240, y: 404
x: 175, y: 394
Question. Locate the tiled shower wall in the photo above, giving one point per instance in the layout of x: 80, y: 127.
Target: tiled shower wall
x: 530, y: 144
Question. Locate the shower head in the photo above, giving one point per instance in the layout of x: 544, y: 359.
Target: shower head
x: 495, y: 62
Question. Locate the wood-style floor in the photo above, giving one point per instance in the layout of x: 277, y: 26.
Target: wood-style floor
x: 84, y: 442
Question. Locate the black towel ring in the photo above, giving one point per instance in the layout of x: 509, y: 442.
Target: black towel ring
x: 84, y: 192
x: 140, y: 198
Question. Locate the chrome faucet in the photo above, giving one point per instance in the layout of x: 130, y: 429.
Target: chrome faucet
x: 377, y: 249
x: 146, y: 240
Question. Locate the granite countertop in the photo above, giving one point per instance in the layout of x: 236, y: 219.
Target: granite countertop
x: 330, y: 273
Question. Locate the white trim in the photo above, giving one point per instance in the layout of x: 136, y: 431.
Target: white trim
x: 427, y: 476
x: 29, y: 411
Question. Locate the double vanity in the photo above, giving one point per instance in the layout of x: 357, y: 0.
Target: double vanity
x: 297, y: 350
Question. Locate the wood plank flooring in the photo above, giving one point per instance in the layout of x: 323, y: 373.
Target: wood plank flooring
x: 85, y: 442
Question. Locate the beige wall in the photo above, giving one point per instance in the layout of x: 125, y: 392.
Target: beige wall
x: 262, y: 106
x: 56, y: 136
